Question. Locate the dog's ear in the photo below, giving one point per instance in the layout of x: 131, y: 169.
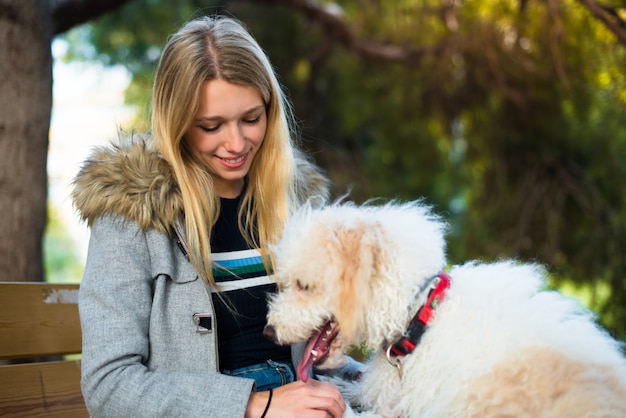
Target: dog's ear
x: 359, y: 249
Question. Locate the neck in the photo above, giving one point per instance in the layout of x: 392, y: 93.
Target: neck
x: 435, y: 290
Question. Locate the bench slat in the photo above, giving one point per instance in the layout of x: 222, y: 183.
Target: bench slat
x: 50, y: 389
x: 39, y: 319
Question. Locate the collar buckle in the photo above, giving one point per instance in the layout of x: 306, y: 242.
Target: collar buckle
x: 394, y: 360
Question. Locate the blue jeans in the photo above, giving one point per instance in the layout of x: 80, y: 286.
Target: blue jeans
x: 268, y: 375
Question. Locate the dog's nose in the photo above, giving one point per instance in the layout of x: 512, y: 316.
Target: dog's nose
x: 269, y: 332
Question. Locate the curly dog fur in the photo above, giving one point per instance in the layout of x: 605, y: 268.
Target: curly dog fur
x: 499, y: 345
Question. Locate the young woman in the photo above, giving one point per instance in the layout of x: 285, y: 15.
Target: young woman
x: 173, y: 298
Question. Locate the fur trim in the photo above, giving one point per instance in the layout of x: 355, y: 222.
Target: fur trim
x: 133, y: 181
x: 130, y: 180
x: 311, y: 182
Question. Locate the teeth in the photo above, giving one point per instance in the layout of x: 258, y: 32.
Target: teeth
x: 314, y: 352
x: 235, y: 161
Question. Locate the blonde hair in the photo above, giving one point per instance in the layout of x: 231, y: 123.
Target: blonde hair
x: 211, y: 48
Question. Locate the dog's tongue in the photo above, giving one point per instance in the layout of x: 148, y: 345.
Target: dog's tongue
x: 316, y: 349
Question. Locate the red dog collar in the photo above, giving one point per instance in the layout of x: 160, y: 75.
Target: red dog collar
x: 418, y: 324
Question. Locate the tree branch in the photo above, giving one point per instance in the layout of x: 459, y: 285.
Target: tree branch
x: 330, y: 18
x: 609, y: 16
x: 67, y: 14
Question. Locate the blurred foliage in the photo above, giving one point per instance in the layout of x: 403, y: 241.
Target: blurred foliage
x: 61, y: 260
x: 511, y: 124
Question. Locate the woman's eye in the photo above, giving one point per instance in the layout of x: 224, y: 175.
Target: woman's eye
x: 253, y: 120
x: 210, y: 128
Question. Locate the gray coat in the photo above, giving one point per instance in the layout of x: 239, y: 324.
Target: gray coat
x: 142, y: 354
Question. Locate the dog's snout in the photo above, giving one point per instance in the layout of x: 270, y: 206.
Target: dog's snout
x: 269, y: 332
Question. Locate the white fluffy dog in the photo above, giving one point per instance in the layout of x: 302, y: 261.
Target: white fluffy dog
x: 485, y: 340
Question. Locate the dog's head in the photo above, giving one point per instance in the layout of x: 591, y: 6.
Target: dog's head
x: 355, y: 267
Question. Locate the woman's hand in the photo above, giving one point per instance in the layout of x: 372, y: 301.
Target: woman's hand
x: 298, y: 399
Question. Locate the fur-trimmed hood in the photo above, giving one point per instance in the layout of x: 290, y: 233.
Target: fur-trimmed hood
x: 133, y: 181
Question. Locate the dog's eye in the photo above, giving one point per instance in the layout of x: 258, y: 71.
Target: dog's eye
x: 302, y: 286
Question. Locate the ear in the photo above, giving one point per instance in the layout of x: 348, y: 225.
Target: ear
x: 359, y: 253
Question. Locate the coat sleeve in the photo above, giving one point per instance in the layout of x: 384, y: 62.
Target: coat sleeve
x: 115, y: 305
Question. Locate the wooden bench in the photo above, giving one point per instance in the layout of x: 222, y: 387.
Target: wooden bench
x: 39, y: 321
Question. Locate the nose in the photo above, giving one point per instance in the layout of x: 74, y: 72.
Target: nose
x: 236, y: 140
x: 269, y: 332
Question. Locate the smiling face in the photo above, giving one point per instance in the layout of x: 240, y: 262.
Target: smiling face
x: 227, y: 132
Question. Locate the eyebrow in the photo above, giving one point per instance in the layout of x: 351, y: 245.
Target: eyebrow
x: 216, y: 118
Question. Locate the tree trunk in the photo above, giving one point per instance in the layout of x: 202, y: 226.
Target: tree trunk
x: 25, y: 103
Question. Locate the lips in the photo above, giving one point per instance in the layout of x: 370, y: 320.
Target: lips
x: 317, y: 349
x: 234, y: 162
